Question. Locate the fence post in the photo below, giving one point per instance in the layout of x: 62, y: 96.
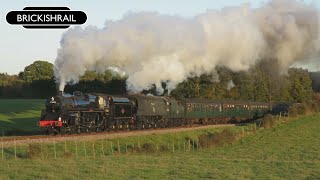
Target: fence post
x: 119, y: 151
x: 111, y: 148
x: 172, y: 146
x: 84, y: 146
x: 41, y: 149
x: 15, y: 149
x: 188, y: 144
x: 102, y: 148
x: 54, y: 147
x: 197, y: 143
x: 94, y: 151
x: 65, y: 146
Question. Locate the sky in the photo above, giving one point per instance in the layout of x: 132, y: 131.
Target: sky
x: 20, y: 47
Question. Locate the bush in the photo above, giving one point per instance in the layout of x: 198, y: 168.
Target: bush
x: 268, y: 121
x: 314, y: 106
x: 217, y: 139
x: 297, y: 109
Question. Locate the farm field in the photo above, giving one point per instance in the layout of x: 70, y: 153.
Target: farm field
x: 288, y: 151
x: 20, y: 116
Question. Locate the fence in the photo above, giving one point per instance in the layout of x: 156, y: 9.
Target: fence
x: 77, y: 148
x: 96, y: 148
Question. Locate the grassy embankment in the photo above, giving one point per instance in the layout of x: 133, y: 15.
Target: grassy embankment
x: 288, y: 151
x: 20, y: 116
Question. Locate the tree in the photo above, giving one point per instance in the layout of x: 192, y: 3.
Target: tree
x: 300, y: 85
x: 39, y: 70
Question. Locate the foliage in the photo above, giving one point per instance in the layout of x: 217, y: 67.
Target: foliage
x: 37, y: 81
x: 262, y: 82
x: 227, y: 136
x: 268, y: 121
x: 300, y: 83
x: 39, y: 70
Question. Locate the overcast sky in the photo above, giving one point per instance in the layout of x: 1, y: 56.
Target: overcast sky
x: 20, y: 47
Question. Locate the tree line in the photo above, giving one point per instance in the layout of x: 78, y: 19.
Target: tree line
x: 263, y: 82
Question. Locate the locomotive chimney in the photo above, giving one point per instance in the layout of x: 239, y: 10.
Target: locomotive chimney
x: 60, y: 93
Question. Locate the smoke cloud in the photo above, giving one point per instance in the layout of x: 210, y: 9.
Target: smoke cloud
x: 152, y: 48
x: 230, y: 85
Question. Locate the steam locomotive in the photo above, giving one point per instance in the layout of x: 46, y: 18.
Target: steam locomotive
x: 95, y: 112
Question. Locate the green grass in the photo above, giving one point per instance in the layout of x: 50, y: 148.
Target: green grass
x: 288, y: 151
x: 20, y: 116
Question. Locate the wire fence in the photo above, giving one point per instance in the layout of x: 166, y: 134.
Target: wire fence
x: 109, y: 147
x: 78, y: 148
x: 98, y: 148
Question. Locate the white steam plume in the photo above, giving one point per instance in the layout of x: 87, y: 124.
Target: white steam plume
x: 230, y: 85
x: 151, y: 48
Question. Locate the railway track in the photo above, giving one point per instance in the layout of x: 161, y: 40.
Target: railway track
x: 25, y: 140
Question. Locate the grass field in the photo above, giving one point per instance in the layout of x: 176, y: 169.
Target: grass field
x: 288, y: 151
x: 20, y: 116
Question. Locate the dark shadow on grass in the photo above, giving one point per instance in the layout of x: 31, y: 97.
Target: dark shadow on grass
x: 20, y: 127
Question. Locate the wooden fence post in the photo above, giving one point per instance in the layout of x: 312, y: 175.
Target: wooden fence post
x: 172, y: 146
x: 54, y: 147
x: 119, y: 147
x: 84, y: 146
x: 65, y: 146
x: 41, y: 149
x: 94, y: 151
x: 197, y: 143
x: 15, y: 149
x: 102, y: 148
x: 111, y: 148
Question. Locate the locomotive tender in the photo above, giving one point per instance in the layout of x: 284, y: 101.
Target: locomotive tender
x: 96, y: 112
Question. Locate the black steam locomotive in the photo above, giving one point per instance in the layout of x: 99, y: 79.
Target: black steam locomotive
x: 94, y: 112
